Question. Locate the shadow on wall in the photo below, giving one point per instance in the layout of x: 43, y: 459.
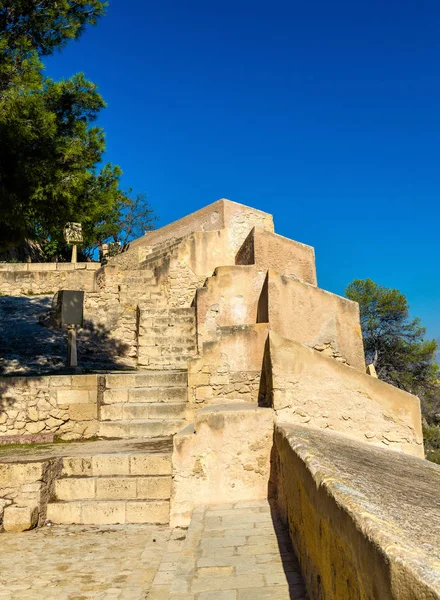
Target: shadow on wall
x: 31, y: 344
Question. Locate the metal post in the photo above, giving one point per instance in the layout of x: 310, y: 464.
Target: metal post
x: 72, y: 359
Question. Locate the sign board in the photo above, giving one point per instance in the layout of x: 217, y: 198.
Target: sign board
x: 69, y: 310
x: 73, y: 233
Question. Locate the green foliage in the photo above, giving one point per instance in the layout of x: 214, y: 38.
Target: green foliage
x: 431, y: 438
x: 396, y: 344
x: 50, y: 148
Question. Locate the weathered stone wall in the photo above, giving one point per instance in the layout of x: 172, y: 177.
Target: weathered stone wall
x: 23, y: 279
x: 363, y: 521
x: 26, y: 488
x: 319, y: 319
x: 305, y: 387
x: 228, y: 369
x: 228, y: 298
x: 63, y: 405
x: 224, y: 457
x: 267, y: 250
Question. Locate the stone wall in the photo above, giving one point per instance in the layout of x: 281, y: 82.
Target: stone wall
x: 267, y: 250
x: 319, y: 319
x: 228, y: 298
x: 63, y: 405
x: 224, y: 457
x: 24, y: 279
x: 363, y: 521
x: 305, y: 387
x: 228, y: 369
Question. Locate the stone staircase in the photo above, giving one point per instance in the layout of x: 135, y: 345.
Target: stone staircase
x: 138, y: 286
x: 159, y: 252
x: 110, y: 489
x: 166, y: 337
x: 143, y: 404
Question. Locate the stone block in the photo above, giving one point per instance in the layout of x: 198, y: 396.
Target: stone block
x: 148, y: 512
x: 152, y: 464
x: 84, y: 381
x: 110, y: 464
x: 77, y: 465
x: 83, y: 412
x: 154, y: 488
x: 75, y: 488
x: 103, y: 513
x: 115, y: 488
x: 20, y: 518
x: 115, y: 396
x: 64, y: 513
x: 73, y: 397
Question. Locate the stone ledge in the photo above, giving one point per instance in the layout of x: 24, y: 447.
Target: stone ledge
x: 355, y: 510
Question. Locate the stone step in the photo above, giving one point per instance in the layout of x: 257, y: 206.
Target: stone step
x: 145, y: 394
x: 166, y: 350
x: 113, y: 488
x: 98, y: 512
x: 167, y: 340
x: 155, y: 378
x: 160, y: 312
x: 163, y: 362
x: 104, y: 465
x: 168, y: 331
x: 140, y: 428
x: 134, y: 411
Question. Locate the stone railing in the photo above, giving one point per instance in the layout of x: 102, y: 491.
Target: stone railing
x: 362, y: 519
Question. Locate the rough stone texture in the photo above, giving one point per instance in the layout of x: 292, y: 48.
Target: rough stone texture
x: 229, y: 368
x: 267, y: 250
x: 20, y: 518
x: 305, y: 387
x: 225, y: 457
x: 364, y: 521
x: 321, y: 320
x: 82, y: 562
x: 229, y: 297
x: 65, y: 405
x: 23, y: 279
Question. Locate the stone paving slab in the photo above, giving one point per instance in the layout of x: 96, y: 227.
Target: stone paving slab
x: 232, y: 552
x: 82, y: 563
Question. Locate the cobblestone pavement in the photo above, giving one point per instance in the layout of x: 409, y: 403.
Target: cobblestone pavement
x: 233, y: 552
x: 82, y: 563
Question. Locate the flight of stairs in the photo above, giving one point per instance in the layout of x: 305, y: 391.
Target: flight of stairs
x: 166, y: 337
x: 159, y: 253
x: 144, y: 404
x: 138, y: 286
x: 109, y: 489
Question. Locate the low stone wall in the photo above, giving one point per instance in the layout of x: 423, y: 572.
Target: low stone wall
x: 63, y: 405
x: 24, y: 279
x: 305, y: 387
x: 363, y: 520
x: 223, y: 457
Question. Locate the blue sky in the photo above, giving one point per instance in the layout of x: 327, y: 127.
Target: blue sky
x: 325, y: 114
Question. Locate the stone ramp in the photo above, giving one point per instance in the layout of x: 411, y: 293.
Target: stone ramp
x: 232, y: 552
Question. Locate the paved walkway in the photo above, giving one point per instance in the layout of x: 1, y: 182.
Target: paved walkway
x: 233, y: 552
x: 78, y: 563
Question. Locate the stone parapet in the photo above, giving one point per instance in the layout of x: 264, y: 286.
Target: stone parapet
x: 363, y: 521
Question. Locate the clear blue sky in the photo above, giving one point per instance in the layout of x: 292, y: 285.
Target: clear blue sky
x: 326, y: 114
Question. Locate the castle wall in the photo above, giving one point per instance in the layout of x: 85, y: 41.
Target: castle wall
x: 355, y: 516
x: 62, y: 405
x: 317, y: 318
x: 267, y: 250
x: 24, y: 279
x: 306, y: 388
